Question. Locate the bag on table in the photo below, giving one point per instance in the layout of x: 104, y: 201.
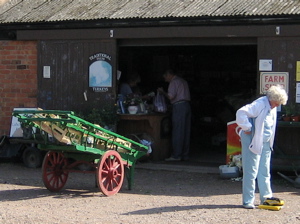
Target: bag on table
x: 160, y: 103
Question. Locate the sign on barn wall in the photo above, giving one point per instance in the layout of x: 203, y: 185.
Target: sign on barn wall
x: 268, y: 79
x: 69, y: 82
x: 100, y: 72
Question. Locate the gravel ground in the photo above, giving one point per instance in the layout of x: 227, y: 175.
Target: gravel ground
x: 159, y: 196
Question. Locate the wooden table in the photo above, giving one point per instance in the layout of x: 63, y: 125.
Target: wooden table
x: 156, y: 125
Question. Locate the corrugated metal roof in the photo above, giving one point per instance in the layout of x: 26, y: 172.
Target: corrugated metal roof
x: 24, y: 11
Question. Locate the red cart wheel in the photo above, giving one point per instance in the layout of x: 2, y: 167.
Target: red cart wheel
x: 54, y: 173
x: 110, y: 173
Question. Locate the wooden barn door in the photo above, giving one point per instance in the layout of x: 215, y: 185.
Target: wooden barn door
x: 63, y: 77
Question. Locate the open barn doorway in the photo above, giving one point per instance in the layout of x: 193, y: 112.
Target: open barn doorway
x: 221, y: 79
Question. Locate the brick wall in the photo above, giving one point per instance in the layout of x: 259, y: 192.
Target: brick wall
x: 18, y: 75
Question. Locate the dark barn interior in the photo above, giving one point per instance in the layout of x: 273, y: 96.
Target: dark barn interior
x: 221, y: 79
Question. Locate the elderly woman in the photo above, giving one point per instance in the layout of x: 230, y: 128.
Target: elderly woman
x: 258, y: 122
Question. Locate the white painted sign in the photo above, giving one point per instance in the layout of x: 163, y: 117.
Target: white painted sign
x: 298, y: 93
x: 268, y: 79
x: 46, y: 72
x: 265, y: 65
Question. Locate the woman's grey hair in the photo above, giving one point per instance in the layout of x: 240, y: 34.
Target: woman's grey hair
x: 277, y: 94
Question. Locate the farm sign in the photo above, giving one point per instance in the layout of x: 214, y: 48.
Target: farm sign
x: 268, y: 79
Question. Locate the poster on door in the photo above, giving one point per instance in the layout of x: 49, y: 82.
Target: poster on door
x: 100, y: 72
x: 268, y: 79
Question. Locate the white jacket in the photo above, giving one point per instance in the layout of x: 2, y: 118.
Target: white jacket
x: 257, y: 110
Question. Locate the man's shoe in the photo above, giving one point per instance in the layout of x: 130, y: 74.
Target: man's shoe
x: 172, y: 159
x: 249, y: 206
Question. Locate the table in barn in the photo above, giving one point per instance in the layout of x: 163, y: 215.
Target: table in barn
x: 155, y: 125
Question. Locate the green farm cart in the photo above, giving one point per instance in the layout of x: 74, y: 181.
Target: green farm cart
x: 72, y: 142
